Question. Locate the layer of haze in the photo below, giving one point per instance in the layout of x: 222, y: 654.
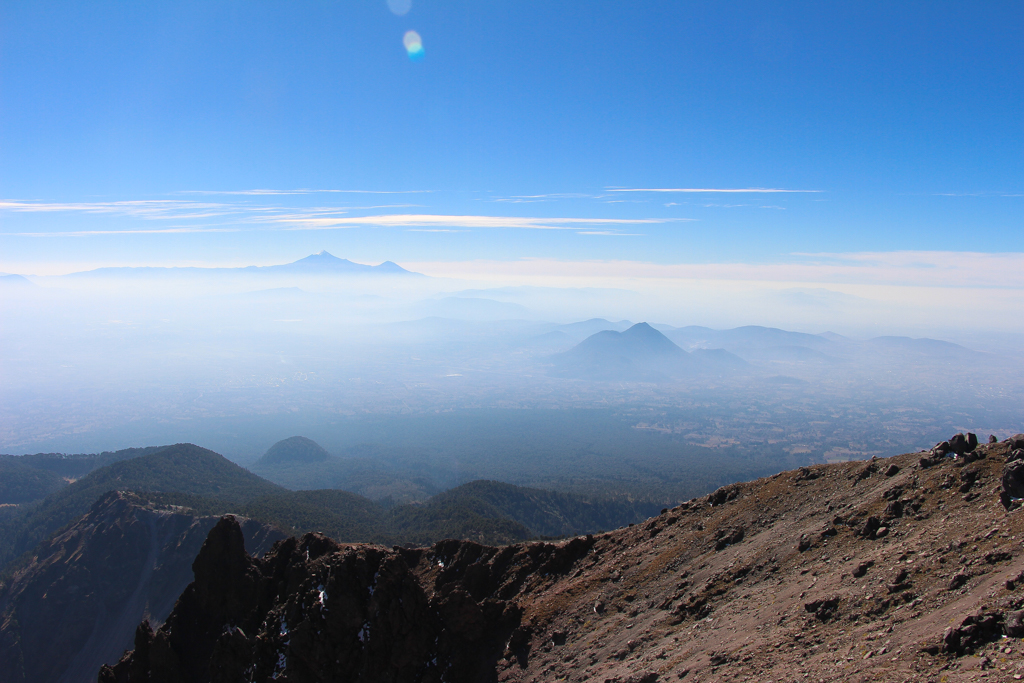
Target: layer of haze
x: 846, y: 178
x: 237, y: 359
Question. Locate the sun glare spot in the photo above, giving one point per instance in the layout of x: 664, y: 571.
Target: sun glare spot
x: 413, y: 45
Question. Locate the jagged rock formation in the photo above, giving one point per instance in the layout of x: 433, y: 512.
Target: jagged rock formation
x: 319, y: 611
x: 899, y: 569
x: 75, y: 606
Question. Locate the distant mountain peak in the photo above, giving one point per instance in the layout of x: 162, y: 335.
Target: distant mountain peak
x: 322, y: 256
x: 324, y: 261
x: 638, y: 353
x: 295, y: 449
x: 320, y: 263
x: 643, y: 329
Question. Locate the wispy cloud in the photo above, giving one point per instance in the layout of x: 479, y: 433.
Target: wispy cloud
x: 533, y: 198
x: 263, y: 192
x: 146, y: 208
x: 710, y: 205
x: 736, y: 190
x: 939, y: 262
x: 455, y: 221
x: 199, y: 213
x: 909, y: 269
x: 154, y: 231
x: 609, y: 232
x: 195, y: 217
x: 977, y: 194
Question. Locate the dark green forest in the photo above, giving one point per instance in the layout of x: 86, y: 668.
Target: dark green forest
x: 183, y: 468
x: 202, y: 481
x: 593, y: 452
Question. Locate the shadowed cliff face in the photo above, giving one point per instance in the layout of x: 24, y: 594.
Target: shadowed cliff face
x: 890, y: 569
x: 76, y: 605
x: 313, y: 610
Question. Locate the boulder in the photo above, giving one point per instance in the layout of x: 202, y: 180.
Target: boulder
x: 866, y: 472
x: 973, y: 632
x: 823, y: 610
x: 722, y: 495
x: 958, y: 444
x: 1012, y: 482
x: 728, y: 536
x: 862, y: 569
x: 894, y: 493
x: 1013, y: 624
x: 806, y: 474
x: 995, y: 556
x: 899, y: 581
x: 894, y: 509
x: 968, y: 477
x: 958, y: 579
x: 871, y: 527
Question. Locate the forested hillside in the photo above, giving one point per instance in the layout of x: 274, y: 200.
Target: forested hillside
x: 483, y: 511
x: 27, y: 478
x: 208, y: 484
x: 183, y: 468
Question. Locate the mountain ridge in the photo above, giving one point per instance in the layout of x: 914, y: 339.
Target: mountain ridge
x: 178, y: 468
x: 321, y: 263
x: 639, y: 353
x: 890, y: 569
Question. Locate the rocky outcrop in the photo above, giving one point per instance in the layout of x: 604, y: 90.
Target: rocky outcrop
x: 75, y: 606
x: 316, y: 611
x: 713, y: 589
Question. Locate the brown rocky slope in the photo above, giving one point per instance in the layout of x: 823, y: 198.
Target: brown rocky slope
x: 907, y: 568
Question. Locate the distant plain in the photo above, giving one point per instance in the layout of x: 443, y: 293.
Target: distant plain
x: 420, y: 384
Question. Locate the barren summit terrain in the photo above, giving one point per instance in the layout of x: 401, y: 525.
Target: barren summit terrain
x: 905, y: 568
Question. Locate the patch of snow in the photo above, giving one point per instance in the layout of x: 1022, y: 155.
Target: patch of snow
x: 279, y: 667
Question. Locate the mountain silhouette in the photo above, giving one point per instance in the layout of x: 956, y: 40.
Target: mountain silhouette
x: 640, y: 353
x: 321, y: 263
x: 324, y: 262
x: 296, y: 449
x: 15, y: 282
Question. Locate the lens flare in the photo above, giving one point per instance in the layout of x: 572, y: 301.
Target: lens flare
x: 400, y: 7
x: 413, y: 45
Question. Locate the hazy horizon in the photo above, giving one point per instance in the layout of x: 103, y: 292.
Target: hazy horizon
x: 852, y: 169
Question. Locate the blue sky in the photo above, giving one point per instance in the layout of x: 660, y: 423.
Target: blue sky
x: 135, y: 133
